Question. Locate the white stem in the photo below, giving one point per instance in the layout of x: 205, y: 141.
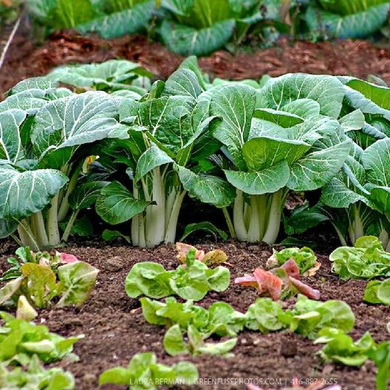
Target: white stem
x: 169, y: 206
x: 155, y: 214
x: 38, y: 225
x: 170, y: 235
x: 238, y: 217
x: 384, y: 238
x: 52, y: 229
x: 141, y: 231
x: 275, y: 216
x: 17, y: 240
x: 135, y: 221
x: 263, y: 214
x: 26, y: 235
x: 229, y: 223
x: 340, y: 236
x: 358, y: 224
x: 351, y: 233
x: 254, y: 222
x: 64, y: 207
x: 69, y: 225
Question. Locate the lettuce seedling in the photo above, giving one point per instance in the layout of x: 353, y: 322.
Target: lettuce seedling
x: 144, y: 372
x: 342, y: 349
x: 366, y: 260
x: 279, y: 283
x: 304, y: 257
x: 378, y: 292
x: 186, y: 321
x: 35, y: 375
x: 191, y: 281
x: 381, y: 357
x: 39, y: 278
x: 21, y: 340
x: 266, y: 316
x: 176, y: 344
x: 309, y: 317
x: 219, y: 319
x: 212, y: 258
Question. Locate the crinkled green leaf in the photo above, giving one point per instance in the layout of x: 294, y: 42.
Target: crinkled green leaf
x: 78, y: 280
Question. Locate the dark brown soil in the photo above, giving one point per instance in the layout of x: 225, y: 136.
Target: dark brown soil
x: 357, y: 58
x: 115, y: 329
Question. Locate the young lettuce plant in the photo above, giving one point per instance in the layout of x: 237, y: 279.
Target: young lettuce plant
x: 175, y: 343
x: 279, y: 283
x: 144, y: 369
x: 42, y: 154
x: 191, y: 281
x: 219, y: 319
x: 20, y: 341
x: 198, y: 323
x: 35, y: 375
x: 168, y: 142
x: 281, y: 138
x: 341, y: 348
x: 305, y: 259
x: 378, y: 292
x: 307, y: 318
x: 366, y: 260
x: 42, y: 278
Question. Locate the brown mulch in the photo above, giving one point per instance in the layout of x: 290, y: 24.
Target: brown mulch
x: 115, y: 329
x: 357, y: 58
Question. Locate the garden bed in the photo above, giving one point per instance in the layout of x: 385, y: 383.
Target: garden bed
x: 115, y: 328
x: 345, y: 57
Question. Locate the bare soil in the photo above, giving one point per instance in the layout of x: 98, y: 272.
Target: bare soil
x: 115, y: 329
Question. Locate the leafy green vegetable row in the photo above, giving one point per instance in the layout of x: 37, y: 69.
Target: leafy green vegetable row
x: 198, y: 27
x: 27, y: 346
x: 37, y: 279
x: 136, y: 151
x: 24, y: 347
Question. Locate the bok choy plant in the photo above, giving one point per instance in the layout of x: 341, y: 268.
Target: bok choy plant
x: 283, y: 137
x: 109, y: 76
x: 43, y: 134
x: 355, y: 201
x: 168, y: 142
x: 202, y: 26
x: 347, y: 19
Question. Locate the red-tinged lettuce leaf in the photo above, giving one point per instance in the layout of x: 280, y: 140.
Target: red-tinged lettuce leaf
x: 247, y: 281
x: 182, y: 252
x: 66, y: 258
x: 291, y: 268
x: 305, y: 289
x: 269, y: 283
